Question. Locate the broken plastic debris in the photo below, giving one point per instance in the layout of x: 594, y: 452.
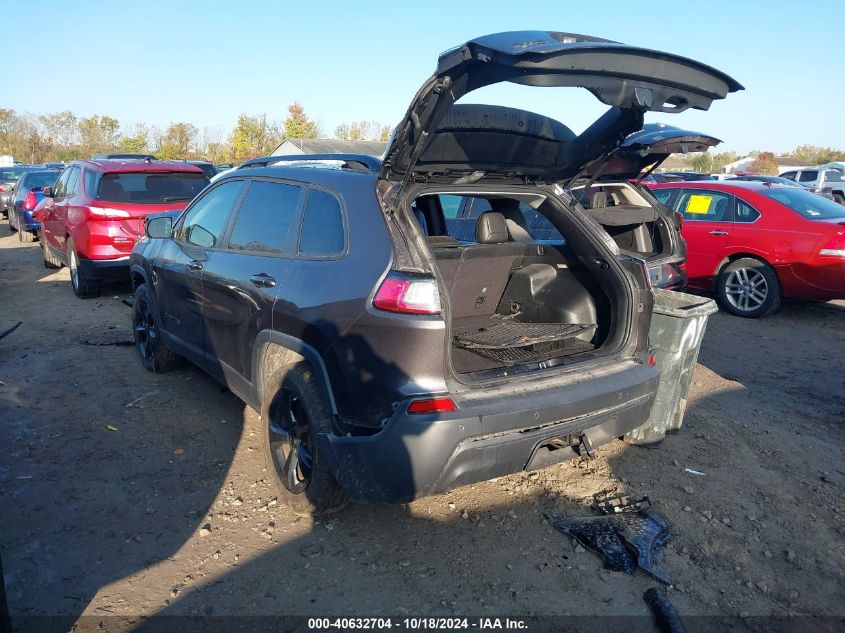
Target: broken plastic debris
x: 111, y: 428
x: 665, y: 614
x: 625, y: 540
x: 607, y: 503
x: 694, y: 472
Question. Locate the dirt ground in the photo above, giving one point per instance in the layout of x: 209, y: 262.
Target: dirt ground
x: 128, y: 493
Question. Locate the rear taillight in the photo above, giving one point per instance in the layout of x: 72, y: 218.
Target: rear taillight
x: 100, y: 213
x: 5, y: 188
x: 408, y: 295
x: 432, y: 405
x: 835, y: 247
x: 30, y: 202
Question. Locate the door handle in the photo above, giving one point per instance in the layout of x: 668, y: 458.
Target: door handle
x: 718, y: 233
x: 195, y: 265
x: 263, y: 280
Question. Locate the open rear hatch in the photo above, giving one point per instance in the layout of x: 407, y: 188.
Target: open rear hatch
x: 514, y: 297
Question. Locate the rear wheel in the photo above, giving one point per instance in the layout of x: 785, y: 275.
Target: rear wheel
x: 83, y: 286
x: 50, y: 260
x: 749, y: 288
x: 293, y: 414
x: 153, y: 352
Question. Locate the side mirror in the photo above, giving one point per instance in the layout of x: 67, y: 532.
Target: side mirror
x: 159, y: 227
x: 47, y: 192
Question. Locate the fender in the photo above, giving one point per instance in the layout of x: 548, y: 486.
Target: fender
x: 298, y: 347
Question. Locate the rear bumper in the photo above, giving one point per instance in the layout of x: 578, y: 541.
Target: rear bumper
x: 418, y: 455
x: 822, y: 280
x: 26, y: 221
x: 106, y: 270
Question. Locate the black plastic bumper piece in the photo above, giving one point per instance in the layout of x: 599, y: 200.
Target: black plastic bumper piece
x: 418, y: 455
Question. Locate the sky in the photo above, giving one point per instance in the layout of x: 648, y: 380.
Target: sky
x: 158, y: 62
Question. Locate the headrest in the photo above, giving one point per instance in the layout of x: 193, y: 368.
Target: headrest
x: 491, y: 228
x: 598, y: 200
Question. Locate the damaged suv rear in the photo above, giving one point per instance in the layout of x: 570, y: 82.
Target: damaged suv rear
x: 426, y: 349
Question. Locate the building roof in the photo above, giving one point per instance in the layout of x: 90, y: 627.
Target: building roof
x: 330, y: 146
x: 794, y: 162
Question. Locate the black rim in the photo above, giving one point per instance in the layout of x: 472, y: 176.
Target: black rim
x: 290, y: 441
x: 146, y: 332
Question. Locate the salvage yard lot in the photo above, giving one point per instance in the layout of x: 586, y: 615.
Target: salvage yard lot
x: 128, y: 493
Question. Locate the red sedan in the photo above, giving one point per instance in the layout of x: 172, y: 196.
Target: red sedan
x: 755, y: 243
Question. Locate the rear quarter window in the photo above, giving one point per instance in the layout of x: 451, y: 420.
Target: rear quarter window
x: 322, y: 232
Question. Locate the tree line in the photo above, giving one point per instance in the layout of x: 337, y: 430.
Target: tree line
x: 764, y: 161
x: 64, y: 136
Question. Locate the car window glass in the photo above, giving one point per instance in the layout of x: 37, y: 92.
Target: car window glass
x: 322, y: 225
x: 831, y: 175
x: 663, y: 196
x: 808, y: 176
x: 451, y: 205
x: 699, y: 205
x: 72, y: 186
x: 90, y: 182
x: 59, y: 189
x: 789, y: 174
x: 204, y: 223
x: 745, y: 213
x: 539, y: 226
x: 265, y: 217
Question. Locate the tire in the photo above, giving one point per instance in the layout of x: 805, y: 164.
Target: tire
x: 27, y: 237
x: 83, y: 286
x: 50, y: 260
x: 292, y: 414
x: 153, y: 352
x: 749, y: 288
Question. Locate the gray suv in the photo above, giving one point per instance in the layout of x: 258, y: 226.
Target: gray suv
x: 394, y: 347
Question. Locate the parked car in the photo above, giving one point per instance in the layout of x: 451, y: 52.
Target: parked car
x: 207, y: 168
x: 23, y: 199
x: 827, y: 182
x: 8, y: 177
x: 660, y: 177
x: 95, y: 210
x: 383, y: 353
x: 611, y: 190
x: 755, y: 243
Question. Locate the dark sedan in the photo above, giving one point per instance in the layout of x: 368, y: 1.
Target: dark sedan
x: 25, y: 196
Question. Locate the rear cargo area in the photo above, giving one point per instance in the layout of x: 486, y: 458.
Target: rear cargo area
x: 636, y: 227
x: 515, y: 299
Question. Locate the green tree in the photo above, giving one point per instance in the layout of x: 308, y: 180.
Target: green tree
x: 298, y: 125
x: 253, y: 136
x: 722, y: 159
x: 700, y: 161
x: 178, y: 141
x: 98, y: 134
x: 60, y: 128
x: 135, y: 143
x: 363, y: 130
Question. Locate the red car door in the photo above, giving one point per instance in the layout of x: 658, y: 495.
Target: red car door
x: 708, y: 222
x: 54, y: 210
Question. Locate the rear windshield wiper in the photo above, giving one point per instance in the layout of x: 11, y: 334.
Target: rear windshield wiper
x: 176, y: 198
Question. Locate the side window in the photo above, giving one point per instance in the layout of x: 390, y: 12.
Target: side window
x: 745, y: 213
x: 663, y: 195
x: 789, y: 174
x: 699, y: 205
x: 265, y: 217
x: 61, y: 184
x: 72, y: 187
x: 538, y: 224
x: 451, y: 205
x: 322, y: 225
x: 204, y: 223
x: 90, y: 178
x: 808, y: 176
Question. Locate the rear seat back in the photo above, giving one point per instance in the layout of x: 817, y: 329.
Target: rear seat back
x: 476, y: 275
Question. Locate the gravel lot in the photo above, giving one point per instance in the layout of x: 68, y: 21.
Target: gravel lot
x: 164, y: 506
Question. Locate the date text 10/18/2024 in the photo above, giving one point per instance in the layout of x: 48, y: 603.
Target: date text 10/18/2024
x: 416, y: 624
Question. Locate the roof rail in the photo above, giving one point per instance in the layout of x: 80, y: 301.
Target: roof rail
x: 368, y: 163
